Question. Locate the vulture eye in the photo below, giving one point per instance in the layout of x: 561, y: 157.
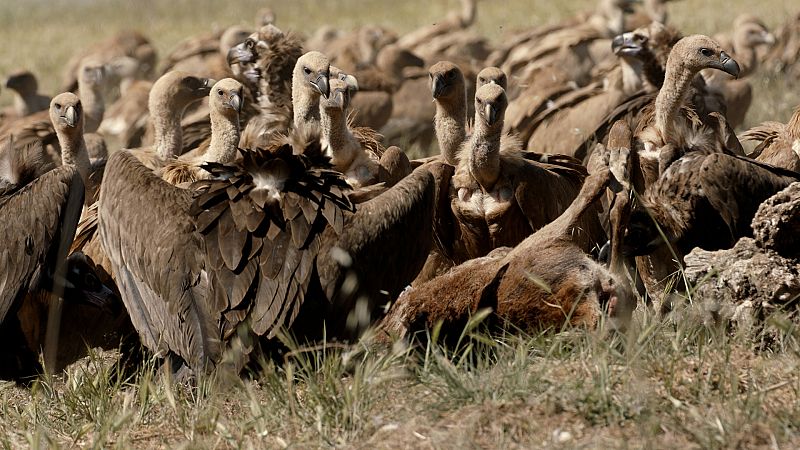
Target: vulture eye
x: 307, y: 70
x: 451, y: 74
x: 58, y: 105
x: 219, y: 92
x: 482, y: 80
x: 480, y: 102
x: 707, y: 52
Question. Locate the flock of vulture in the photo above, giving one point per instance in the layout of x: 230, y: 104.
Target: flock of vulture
x: 256, y: 183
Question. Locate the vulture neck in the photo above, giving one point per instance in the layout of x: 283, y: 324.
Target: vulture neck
x: 93, y: 106
x: 22, y: 103
x: 677, y: 81
x: 168, y: 138
x: 305, y: 105
x: 484, y: 155
x: 336, y: 138
x: 450, y: 123
x: 74, y: 153
x: 631, y: 75
x: 224, y: 138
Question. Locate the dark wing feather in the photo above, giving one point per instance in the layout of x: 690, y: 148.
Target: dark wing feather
x: 157, y: 259
x: 39, y: 222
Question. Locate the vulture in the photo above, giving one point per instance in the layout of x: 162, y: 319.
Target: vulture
x: 748, y: 35
x: 39, y: 211
x: 310, y: 79
x: 778, y: 144
x: 126, y: 43
x: 168, y: 98
x: 703, y: 200
x: 266, y: 243
x: 542, y: 283
x: 225, y: 104
x: 206, y: 56
x: 498, y: 196
x: 784, y: 57
x: 27, y: 99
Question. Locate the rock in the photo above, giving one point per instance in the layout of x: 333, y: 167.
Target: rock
x: 776, y: 225
x: 732, y: 282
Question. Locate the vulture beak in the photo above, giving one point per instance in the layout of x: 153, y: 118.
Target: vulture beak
x: 729, y: 65
x: 240, y: 54
x: 235, y: 102
x: 768, y: 38
x: 337, y: 99
x: 322, y: 84
x: 70, y: 116
x: 206, y: 88
x: 491, y: 114
x: 437, y: 86
x: 625, y: 45
x: 104, y: 299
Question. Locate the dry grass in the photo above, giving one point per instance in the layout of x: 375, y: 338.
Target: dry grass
x: 674, y: 384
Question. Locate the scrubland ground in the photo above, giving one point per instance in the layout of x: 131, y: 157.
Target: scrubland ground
x: 674, y: 383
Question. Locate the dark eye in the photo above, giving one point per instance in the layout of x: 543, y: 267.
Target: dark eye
x: 58, y: 105
x: 482, y: 80
x: 307, y: 70
x: 219, y: 92
x: 451, y: 74
x: 250, y: 43
x: 480, y: 102
x: 706, y: 52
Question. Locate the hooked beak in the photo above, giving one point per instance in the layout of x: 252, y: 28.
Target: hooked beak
x: 70, y: 116
x: 437, y: 86
x: 491, y: 114
x: 337, y: 99
x: 768, y: 38
x: 729, y: 65
x: 235, y: 102
x: 205, y: 89
x: 625, y: 45
x: 240, y: 54
x: 104, y: 299
x: 322, y: 84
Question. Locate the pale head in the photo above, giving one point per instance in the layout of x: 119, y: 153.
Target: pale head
x: 179, y: 89
x: 490, y: 104
x: 23, y: 82
x: 226, y: 97
x: 492, y: 75
x: 312, y: 72
x: 447, y: 81
x: 66, y: 113
x: 93, y: 73
x: 697, y: 52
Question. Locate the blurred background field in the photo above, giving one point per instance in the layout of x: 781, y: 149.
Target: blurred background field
x: 41, y: 35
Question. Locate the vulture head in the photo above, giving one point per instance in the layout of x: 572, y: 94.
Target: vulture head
x: 232, y: 36
x: 697, y: 52
x: 447, y: 80
x: 83, y: 286
x: 22, y: 82
x: 226, y: 97
x: 244, y: 52
x: 93, y: 73
x: 753, y: 34
x: 492, y: 75
x: 179, y: 89
x: 490, y: 105
x: 313, y: 70
x: 630, y: 44
x: 66, y: 113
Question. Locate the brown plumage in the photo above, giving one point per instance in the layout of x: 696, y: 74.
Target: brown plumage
x: 206, y: 56
x: 499, y: 197
x: 261, y: 259
x: 542, y: 283
x: 784, y: 57
x: 778, y: 144
x: 27, y: 99
x: 39, y: 210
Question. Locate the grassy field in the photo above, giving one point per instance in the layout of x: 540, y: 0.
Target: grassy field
x: 676, y: 383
